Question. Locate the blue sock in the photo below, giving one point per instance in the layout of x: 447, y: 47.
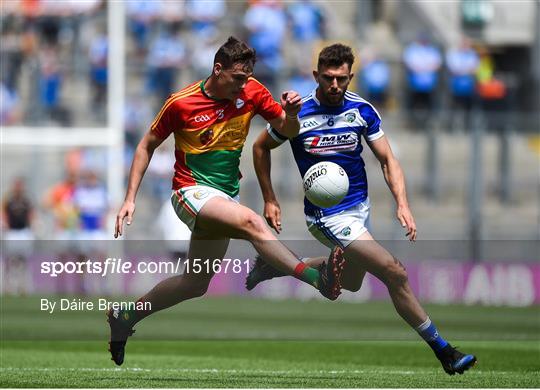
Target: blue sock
x: 430, y: 334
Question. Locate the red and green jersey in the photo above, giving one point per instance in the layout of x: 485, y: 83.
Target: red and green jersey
x: 209, y: 134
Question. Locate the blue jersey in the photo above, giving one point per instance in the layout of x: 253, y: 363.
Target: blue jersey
x: 334, y: 134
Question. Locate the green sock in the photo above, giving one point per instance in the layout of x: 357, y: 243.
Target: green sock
x: 130, y: 317
x: 307, y: 274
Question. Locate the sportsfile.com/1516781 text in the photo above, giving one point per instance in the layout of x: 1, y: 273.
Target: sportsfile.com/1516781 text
x: 113, y: 265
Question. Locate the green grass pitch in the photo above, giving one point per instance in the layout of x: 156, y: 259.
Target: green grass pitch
x: 243, y: 342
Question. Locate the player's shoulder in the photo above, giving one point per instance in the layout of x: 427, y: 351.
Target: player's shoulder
x: 310, y: 104
x: 191, y: 90
x: 256, y: 91
x: 254, y: 85
x: 179, y: 99
x: 352, y: 99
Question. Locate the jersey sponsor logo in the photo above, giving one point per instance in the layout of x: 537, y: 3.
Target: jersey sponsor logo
x: 239, y: 103
x: 201, y: 118
x: 331, y: 143
x: 206, y: 136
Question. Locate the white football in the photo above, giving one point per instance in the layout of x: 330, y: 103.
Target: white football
x: 326, y: 184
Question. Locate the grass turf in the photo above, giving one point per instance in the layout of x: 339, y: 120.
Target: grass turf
x: 243, y: 342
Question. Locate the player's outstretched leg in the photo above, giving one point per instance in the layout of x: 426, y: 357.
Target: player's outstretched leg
x: 221, y: 216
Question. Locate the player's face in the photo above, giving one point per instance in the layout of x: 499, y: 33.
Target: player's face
x: 233, y: 80
x: 333, y: 83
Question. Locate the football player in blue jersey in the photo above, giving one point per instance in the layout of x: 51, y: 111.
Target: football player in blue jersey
x: 332, y: 123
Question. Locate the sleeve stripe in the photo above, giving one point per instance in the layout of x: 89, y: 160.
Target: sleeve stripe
x: 184, y: 93
x: 357, y: 98
x: 276, y: 136
x: 375, y: 136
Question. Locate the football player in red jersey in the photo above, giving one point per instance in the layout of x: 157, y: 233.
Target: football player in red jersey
x: 210, y: 121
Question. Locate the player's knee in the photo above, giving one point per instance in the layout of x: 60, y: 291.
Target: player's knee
x: 253, y: 226
x: 396, y: 274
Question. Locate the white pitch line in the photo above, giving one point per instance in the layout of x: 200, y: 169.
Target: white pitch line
x: 243, y: 372
x: 210, y: 370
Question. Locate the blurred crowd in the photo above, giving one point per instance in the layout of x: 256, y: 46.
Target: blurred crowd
x: 73, y: 211
x: 49, y: 47
x: 54, y: 59
x: 77, y: 205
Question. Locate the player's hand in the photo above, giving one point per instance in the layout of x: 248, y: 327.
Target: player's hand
x: 291, y: 102
x: 126, y: 212
x: 406, y: 220
x: 272, y: 214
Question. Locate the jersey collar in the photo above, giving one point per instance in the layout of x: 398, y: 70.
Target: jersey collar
x: 314, y: 97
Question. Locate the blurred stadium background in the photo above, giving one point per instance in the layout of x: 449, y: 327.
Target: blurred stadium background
x: 81, y: 80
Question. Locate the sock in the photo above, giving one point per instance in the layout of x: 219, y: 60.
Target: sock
x: 131, y: 316
x: 307, y: 274
x: 430, y: 334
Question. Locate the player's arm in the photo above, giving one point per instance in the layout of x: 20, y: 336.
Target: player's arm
x: 141, y: 159
x: 262, y: 162
x: 287, y: 123
x: 393, y: 174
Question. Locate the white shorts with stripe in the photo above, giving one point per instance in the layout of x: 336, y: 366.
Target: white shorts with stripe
x: 188, y: 202
x: 341, y: 228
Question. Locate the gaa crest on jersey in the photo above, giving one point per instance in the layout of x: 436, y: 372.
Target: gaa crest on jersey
x: 200, y: 194
x: 206, y: 136
x: 350, y: 117
x: 331, y: 143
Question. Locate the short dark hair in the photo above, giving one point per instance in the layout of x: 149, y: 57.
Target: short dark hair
x: 335, y: 55
x: 235, y: 51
